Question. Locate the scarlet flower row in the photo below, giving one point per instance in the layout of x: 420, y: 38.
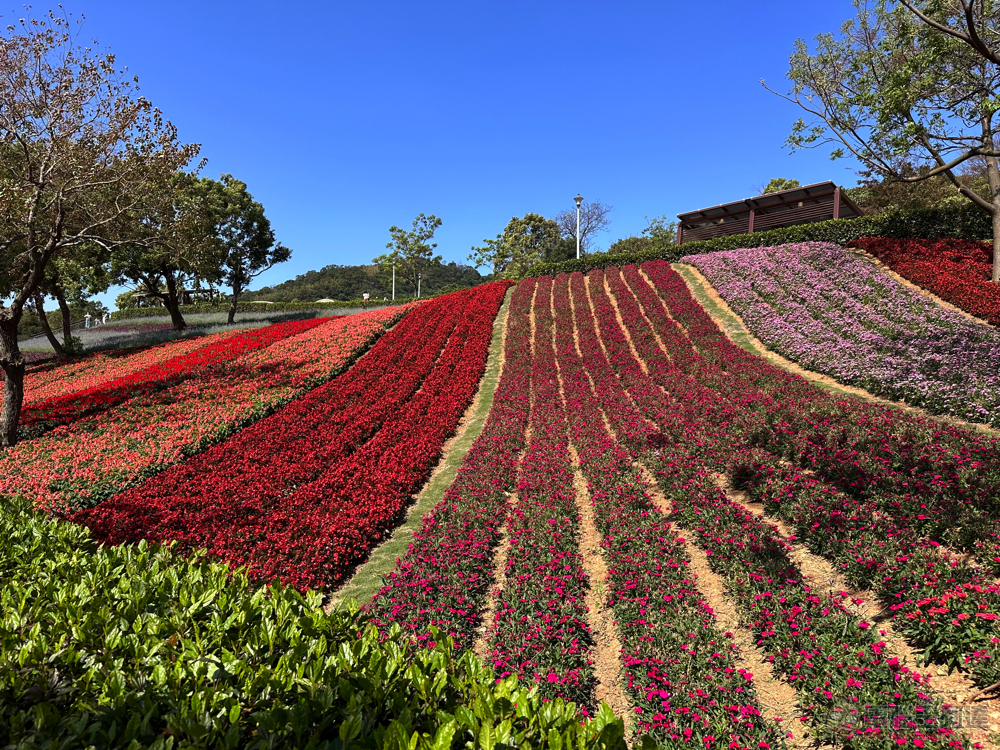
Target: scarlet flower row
x: 204, y: 362
x: 836, y: 663
x: 85, y: 462
x: 55, y: 378
x: 957, y: 271
x: 303, y: 494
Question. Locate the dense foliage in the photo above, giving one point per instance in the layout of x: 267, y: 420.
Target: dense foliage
x: 132, y: 647
x: 343, y: 283
x: 962, y: 221
x: 957, y: 271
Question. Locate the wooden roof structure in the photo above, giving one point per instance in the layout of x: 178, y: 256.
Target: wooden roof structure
x: 800, y: 205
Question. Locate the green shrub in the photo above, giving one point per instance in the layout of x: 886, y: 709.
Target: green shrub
x: 133, y: 646
x: 964, y: 221
x: 245, y: 307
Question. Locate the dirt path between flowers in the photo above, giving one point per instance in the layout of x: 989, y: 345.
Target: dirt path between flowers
x: 366, y: 580
x: 903, y: 281
x: 824, y: 578
x: 736, y: 331
x: 778, y: 699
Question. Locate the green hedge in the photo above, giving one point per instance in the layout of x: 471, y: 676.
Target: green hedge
x: 134, y: 646
x: 245, y: 307
x: 965, y: 221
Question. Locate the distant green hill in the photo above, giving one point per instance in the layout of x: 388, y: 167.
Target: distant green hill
x: 351, y: 282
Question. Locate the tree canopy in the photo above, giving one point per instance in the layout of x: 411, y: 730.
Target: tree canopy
x: 524, y: 242
x: 410, y: 251
x: 908, y: 88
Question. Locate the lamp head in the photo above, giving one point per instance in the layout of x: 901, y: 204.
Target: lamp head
x: 578, y: 200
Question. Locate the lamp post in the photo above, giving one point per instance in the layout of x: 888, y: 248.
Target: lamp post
x: 393, y: 279
x: 419, y: 276
x: 578, y: 200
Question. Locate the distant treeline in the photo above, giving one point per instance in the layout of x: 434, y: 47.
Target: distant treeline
x: 351, y: 282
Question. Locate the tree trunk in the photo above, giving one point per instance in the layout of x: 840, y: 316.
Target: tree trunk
x: 46, y: 328
x: 232, y: 308
x: 173, y: 304
x: 13, y: 364
x: 993, y: 177
x: 67, y: 323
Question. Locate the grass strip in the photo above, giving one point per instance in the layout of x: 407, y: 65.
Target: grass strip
x: 368, y: 578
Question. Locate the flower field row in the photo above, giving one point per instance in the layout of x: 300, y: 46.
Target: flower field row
x: 54, y: 378
x: 958, y: 271
x: 443, y: 579
x: 203, y: 362
x: 303, y: 495
x: 830, y: 311
x: 82, y: 463
x: 908, y: 573
x: 800, y: 629
x: 540, y: 629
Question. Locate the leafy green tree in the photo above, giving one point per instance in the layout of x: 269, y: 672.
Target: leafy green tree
x: 172, y: 245
x: 524, y: 242
x: 630, y: 245
x: 776, y: 185
x: 79, y: 152
x: 244, y: 234
x: 907, y: 83
x: 662, y: 230
x: 410, y: 250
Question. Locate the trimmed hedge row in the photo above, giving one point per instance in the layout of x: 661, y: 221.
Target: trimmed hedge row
x: 961, y: 221
x: 246, y: 307
x: 134, y: 646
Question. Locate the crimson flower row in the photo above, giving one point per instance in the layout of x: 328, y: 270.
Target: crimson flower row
x: 204, y: 362
x: 682, y: 673
x: 540, y: 630
x: 303, y: 494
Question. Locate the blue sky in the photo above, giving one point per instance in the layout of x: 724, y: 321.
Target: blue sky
x: 346, y: 118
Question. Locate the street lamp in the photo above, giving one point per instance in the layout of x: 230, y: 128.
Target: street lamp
x: 419, y: 277
x: 394, y: 279
x: 578, y: 200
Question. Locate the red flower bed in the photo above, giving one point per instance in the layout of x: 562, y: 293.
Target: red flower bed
x: 303, y: 494
x: 203, y: 361
x: 957, y: 271
x: 94, y: 457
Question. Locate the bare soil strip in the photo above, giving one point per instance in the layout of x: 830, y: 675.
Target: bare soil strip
x: 367, y: 578
x: 824, y: 578
x: 778, y: 699
x: 607, y: 645
x: 481, y: 647
x: 736, y: 331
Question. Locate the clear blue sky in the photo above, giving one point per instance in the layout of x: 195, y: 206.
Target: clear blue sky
x: 346, y: 118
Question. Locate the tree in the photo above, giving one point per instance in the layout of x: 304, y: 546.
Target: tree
x: 524, y: 242
x: 410, y: 250
x: 78, y: 152
x: 630, y: 245
x: 244, y: 233
x: 594, y: 218
x: 172, y: 244
x: 908, y: 89
x: 662, y: 230
x: 775, y: 185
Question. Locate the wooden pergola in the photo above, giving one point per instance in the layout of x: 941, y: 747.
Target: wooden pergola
x: 801, y: 205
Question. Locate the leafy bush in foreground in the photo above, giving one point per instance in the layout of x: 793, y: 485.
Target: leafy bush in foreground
x: 131, y: 646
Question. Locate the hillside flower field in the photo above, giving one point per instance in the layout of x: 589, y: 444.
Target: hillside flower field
x: 658, y: 538
x: 831, y: 312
